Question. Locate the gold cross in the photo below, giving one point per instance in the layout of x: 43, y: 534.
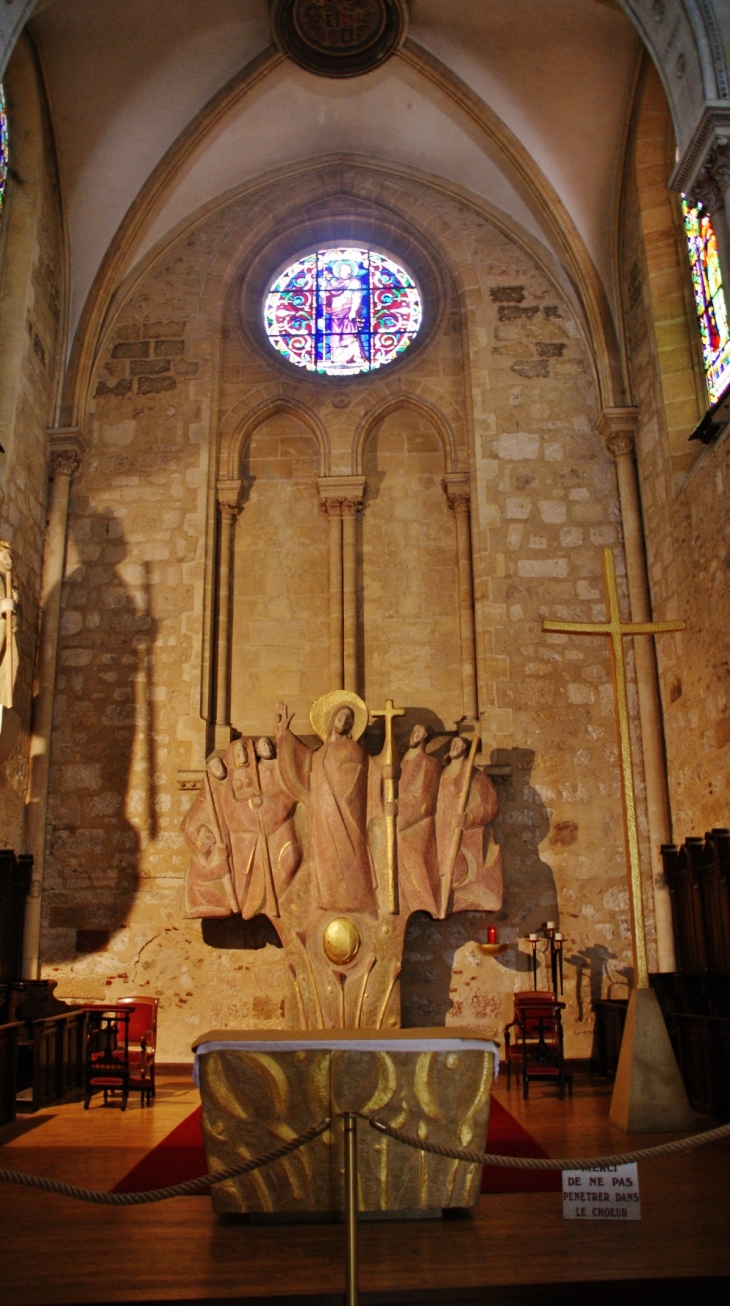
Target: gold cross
x: 389, y: 801
x: 615, y: 629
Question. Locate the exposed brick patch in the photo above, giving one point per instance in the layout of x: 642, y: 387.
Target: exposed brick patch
x: 533, y: 369
x: 132, y: 349
x: 511, y: 313
x: 549, y: 349
x: 507, y: 294
x: 155, y: 385
x: 122, y: 387
x: 149, y: 367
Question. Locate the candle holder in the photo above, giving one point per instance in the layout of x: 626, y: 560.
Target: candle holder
x: 553, y: 953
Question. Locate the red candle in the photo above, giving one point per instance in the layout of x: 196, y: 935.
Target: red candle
x: 492, y: 933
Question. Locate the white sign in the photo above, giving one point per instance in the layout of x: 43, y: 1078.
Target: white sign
x: 608, y: 1193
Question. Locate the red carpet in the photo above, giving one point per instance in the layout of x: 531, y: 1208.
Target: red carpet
x: 181, y: 1156
x: 507, y: 1137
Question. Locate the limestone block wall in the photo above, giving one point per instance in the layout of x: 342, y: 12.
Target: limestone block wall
x: 280, y: 639
x: 31, y: 320
x: 186, y: 397
x: 683, y: 487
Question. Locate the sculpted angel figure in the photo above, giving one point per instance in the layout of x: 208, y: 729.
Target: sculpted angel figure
x: 241, y: 830
x: 477, y: 878
x: 418, y: 788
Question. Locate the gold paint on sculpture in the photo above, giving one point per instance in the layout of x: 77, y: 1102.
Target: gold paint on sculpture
x: 321, y: 712
x: 341, y: 940
x: 338, y: 847
x: 322, y: 1081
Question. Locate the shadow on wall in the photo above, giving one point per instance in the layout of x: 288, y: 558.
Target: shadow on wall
x: 529, y: 900
x: 592, y: 965
x: 102, y: 802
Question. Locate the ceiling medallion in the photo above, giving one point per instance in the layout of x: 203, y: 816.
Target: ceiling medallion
x: 339, y: 38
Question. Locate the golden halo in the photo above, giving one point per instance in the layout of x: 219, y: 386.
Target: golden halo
x: 321, y: 712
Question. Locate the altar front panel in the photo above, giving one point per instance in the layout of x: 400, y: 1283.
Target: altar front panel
x: 256, y: 1094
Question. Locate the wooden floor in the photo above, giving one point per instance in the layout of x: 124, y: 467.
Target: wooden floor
x: 513, y: 1248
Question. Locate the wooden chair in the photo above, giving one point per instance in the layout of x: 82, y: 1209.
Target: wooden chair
x: 142, y: 1045
x: 107, y: 1053
x: 536, y: 1049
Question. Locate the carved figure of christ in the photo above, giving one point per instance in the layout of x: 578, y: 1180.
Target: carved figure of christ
x: 332, y: 781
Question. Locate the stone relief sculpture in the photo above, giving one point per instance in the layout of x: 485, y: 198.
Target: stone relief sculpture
x: 9, y: 719
x: 338, y: 848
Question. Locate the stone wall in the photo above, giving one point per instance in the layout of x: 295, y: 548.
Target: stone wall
x: 31, y: 309
x: 683, y: 488
x: 507, y: 383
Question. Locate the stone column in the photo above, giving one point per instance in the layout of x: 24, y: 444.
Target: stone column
x: 333, y: 509
x: 618, y: 426
x: 66, y: 449
x: 458, y: 493
x: 342, y: 500
x: 229, y: 506
x: 350, y: 511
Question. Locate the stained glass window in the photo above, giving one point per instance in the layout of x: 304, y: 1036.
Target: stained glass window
x: 3, y: 146
x: 709, y: 298
x: 342, y: 311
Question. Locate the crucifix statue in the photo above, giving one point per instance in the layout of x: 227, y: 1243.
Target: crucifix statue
x: 648, y: 1091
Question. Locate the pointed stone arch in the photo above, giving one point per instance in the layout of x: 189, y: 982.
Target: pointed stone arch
x: 404, y: 400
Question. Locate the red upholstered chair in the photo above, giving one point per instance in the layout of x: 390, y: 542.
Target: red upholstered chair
x: 535, y: 1047
x: 106, y: 1063
x: 142, y: 1045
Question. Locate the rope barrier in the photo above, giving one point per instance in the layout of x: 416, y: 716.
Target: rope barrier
x: 545, y: 1163
x: 192, y: 1186
x: 186, y: 1189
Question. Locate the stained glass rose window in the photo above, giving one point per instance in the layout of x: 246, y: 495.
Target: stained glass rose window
x: 342, y: 311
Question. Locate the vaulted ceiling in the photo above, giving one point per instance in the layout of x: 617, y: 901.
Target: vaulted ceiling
x: 500, y: 99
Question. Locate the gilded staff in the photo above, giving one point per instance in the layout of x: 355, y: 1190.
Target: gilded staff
x: 257, y: 802
x: 448, y: 880
x: 390, y: 804
x: 615, y: 629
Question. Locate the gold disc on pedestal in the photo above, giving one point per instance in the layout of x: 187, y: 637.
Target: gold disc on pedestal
x: 341, y: 940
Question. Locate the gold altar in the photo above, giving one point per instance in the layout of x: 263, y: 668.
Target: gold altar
x: 264, y: 1087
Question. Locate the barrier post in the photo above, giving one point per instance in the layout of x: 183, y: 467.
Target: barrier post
x: 351, y: 1207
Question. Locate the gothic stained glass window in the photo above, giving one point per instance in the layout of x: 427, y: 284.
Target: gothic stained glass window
x: 3, y: 146
x: 709, y: 298
x: 342, y: 311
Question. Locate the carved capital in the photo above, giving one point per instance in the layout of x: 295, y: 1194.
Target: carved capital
x: 706, y: 191
x: 703, y: 172
x: 332, y: 507
x: 66, y: 449
x: 458, y: 491
x: 229, y: 511
x: 618, y: 428
x: 351, y: 507
x: 230, y: 494
x: 338, y: 494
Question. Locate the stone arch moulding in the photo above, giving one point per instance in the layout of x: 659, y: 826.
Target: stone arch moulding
x: 118, y: 272
x: 404, y: 400
x: 685, y: 42
x: 232, y: 453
